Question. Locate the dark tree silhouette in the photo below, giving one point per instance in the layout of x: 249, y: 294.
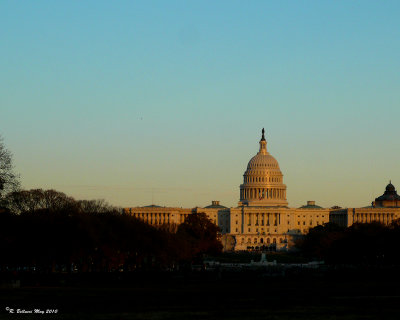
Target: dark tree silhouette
x: 24, y: 201
x: 201, y: 235
x: 9, y: 180
x: 47, y: 231
x: 360, y: 244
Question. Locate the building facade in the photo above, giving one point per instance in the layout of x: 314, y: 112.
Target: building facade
x: 385, y: 209
x: 262, y: 217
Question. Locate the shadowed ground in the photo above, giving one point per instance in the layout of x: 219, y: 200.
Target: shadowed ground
x: 209, y: 296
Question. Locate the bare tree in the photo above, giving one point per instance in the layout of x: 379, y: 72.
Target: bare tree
x: 23, y: 201
x: 9, y: 180
x: 96, y: 206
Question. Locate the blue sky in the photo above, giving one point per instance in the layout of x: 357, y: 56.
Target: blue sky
x: 164, y: 101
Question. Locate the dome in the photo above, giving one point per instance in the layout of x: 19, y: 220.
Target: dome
x: 389, y: 197
x: 263, y: 162
x: 390, y: 187
x: 310, y: 205
x: 263, y: 180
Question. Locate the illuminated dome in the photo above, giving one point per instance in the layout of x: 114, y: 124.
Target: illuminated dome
x: 263, y: 180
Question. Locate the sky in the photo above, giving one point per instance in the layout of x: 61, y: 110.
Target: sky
x: 141, y: 102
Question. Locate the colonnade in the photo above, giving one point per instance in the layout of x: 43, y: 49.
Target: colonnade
x: 262, y: 219
x: 262, y: 193
x: 385, y: 218
x: 153, y: 217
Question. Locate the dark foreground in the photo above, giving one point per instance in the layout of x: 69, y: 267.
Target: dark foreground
x: 354, y: 294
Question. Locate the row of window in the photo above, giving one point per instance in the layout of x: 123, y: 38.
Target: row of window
x: 311, y: 223
x: 262, y: 230
x: 261, y: 179
x: 305, y: 216
x: 263, y: 240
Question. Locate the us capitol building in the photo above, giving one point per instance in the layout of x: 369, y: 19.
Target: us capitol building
x: 263, y: 218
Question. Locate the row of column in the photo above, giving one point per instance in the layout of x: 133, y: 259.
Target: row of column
x: 261, y: 193
x: 262, y: 179
x: 156, y: 218
x: 262, y: 219
x: 370, y: 217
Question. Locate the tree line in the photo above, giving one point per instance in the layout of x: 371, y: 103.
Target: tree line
x: 47, y: 231
x: 360, y: 244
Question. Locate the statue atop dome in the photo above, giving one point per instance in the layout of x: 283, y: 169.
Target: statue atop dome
x: 263, y: 143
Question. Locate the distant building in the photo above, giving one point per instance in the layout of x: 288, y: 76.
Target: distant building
x: 263, y: 218
x: 384, y: 209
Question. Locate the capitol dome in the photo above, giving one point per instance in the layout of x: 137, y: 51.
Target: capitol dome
x: 263, y: 180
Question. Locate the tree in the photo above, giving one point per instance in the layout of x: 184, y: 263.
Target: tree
x: 201, y: 234
x: 23, y: 201
x: 8, y: 178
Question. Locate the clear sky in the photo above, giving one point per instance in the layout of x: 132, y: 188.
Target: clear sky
x: 163, y: 101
